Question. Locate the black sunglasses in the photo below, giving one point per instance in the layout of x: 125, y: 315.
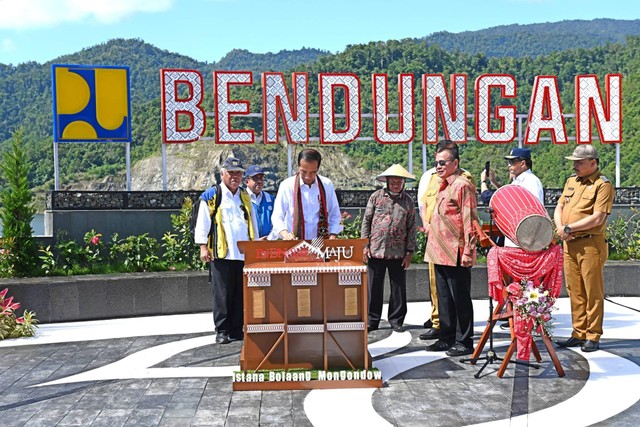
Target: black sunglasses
x: 440, y: 163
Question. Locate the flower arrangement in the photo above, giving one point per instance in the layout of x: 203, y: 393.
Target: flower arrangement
x: 12, y: 326
x: 533, y: 305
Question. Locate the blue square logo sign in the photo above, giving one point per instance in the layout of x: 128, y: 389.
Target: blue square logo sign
x: 91, y: 103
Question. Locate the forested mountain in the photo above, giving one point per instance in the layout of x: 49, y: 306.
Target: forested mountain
x: 25, y: 97
x: 241, y: 59
x: 536, y: 39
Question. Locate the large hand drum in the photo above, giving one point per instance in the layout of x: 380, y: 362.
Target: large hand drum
x: 521, y: 217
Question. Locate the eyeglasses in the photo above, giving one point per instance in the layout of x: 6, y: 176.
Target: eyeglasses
x: 440, y: 163
x: 514, y: 161
x: 257, y: 177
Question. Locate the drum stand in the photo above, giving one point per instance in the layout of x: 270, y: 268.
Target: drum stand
x: 503, y: 312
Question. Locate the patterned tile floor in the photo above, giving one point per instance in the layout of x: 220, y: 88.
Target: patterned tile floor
x: 166, y: 371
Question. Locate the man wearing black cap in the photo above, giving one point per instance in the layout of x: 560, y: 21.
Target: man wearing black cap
x: 581, y: 221
x: 520, y: 165
x: 262, y: 201
x: 217, y: 231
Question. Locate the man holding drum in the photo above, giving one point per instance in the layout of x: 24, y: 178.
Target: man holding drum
x: 520, y: 165
x: 580, y: 217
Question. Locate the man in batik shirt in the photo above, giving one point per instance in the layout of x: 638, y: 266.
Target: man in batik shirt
x: 390, y: 225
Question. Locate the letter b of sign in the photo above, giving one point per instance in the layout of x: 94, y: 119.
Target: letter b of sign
x: 91, y: 103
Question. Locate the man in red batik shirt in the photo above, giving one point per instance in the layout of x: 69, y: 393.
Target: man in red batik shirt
x: 451, y: 247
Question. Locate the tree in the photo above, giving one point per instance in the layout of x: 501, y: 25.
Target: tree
x: 17, y: 211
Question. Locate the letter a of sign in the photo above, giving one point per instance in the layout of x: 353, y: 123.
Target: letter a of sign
x: 545, y: 112
x: 173, y: 106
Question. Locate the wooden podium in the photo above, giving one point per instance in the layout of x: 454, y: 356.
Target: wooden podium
x: 305, y: 323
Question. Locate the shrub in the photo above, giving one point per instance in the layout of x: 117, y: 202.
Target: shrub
x: 16, y: 212
x: 623, y: 237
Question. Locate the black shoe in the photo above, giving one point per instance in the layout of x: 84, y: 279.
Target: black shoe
x: 430, y: 334
x: 236, y: 336
x: 397, y: 328
x: 222, y: 338
x: 505, y: 326
x: 428, y: 324
x: 571, y: 342
x: 372, y: 328
x: 438, y: 346
x: 459, y: 350
x: 590, y: 346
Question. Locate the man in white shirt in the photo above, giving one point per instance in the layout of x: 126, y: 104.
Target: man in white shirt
x: 306, y: 205
x: 217, y: 232
x: 520, y: 165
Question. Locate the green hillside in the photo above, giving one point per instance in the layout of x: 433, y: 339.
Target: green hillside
x: 536, y: 39
x: 25, y: 96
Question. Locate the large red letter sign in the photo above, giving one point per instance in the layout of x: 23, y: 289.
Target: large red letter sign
x: 276, y: 103
x: 381, y: 132
x: 225, y: 108
x: 505, y: 115
x: 327, y: 83
x: 589, y: 99
x: 545, y: 112
x: 436, y: 104
x: 173, y: 106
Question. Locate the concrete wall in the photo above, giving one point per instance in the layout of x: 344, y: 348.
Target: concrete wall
x: 65, y: 299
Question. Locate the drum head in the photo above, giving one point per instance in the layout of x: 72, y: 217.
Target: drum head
x: 534, y: 233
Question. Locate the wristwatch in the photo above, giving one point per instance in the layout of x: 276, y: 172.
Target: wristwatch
x: 567, y: 229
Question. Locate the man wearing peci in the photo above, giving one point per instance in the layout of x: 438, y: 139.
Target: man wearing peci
x: 451, y: 247
x: 218, y: 231
x: 262, y: 201
x: 581, y: 221
x: 306, y: 205
x: 389, y: 222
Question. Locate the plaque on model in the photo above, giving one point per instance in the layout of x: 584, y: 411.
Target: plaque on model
x: 305, y: 316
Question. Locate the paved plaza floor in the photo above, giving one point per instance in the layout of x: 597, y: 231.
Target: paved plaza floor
x: 167, y: 371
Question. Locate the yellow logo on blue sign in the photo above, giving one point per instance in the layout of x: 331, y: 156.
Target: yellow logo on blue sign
x: 91, y: 103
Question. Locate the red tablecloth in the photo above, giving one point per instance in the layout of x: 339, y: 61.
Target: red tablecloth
x: 544, y: 267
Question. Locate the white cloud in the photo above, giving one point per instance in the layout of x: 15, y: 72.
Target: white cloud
x: 7, y: 46
x: 32, y: 14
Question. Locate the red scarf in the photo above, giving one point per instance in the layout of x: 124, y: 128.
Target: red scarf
x: 298, y: 211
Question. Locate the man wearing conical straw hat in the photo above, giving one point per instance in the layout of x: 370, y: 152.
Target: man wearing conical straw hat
x: 390, y: 225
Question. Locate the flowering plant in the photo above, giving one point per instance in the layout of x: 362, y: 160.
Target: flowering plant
x: 351, y: 226
x: 12, y: 326
x: 533, y: 305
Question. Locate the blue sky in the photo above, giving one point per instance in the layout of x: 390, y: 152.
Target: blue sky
x: 42, y: 30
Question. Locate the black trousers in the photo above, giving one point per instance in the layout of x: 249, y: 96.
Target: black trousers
x: 228, y: 312
x: 454, y: 304
x: 398, y: 298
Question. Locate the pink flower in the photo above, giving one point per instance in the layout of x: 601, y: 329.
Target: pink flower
x: 95, y: 239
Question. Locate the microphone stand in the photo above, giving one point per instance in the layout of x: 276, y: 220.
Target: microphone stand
x: 491, y: 355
